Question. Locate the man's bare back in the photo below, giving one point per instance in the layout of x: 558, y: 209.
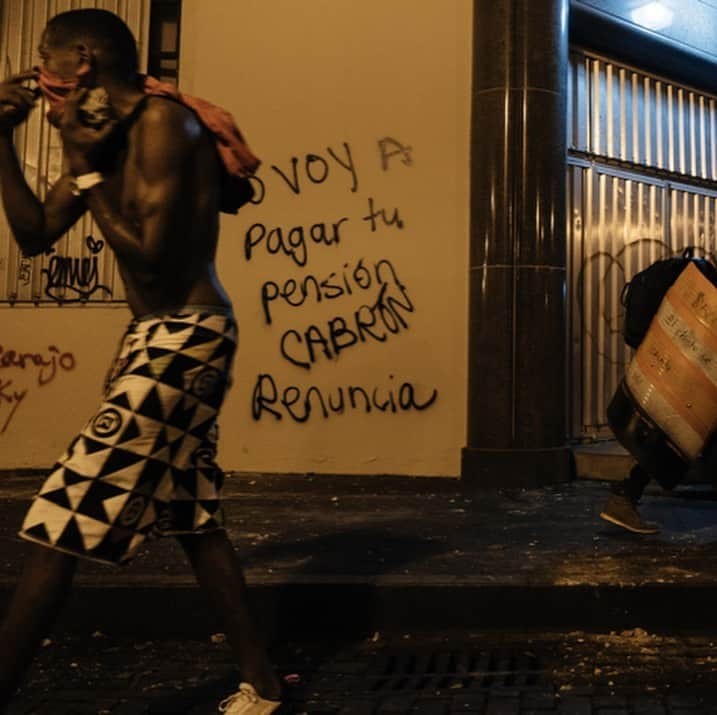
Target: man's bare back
x: 164, y: 139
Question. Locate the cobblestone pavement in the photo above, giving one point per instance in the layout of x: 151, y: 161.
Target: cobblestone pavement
x: 578, y: 673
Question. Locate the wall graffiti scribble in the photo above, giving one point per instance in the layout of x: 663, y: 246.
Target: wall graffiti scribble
x: 383, y: 312
x: 299, y: 405
x: 295, y: 293
x: 74, y: 280
x: 24, y: 274
x: 390, y: 148
x: 317, y: 169
x: 386, y: 219
x: 292, y: 242
x: 11, y: 399
x: 368, y: 323
x: 46, y: 365
x: 611, y: 276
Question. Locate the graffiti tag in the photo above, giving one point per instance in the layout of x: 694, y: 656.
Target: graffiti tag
x: 74, y: 280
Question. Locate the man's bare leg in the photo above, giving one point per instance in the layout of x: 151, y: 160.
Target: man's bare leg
x: 39, y: 596
x: 219, y: 574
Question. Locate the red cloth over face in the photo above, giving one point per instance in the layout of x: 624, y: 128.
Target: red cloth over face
x: 55, y: 89
x: 237, y: 158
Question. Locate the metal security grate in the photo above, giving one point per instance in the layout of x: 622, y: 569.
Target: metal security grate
x: 81, y: 268
x: 454, y: 671
x: 619, y: 112
x: 641, y: 185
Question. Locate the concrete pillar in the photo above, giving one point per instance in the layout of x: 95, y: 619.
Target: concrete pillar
x: 517, y: 358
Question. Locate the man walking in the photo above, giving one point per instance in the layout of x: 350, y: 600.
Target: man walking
x: 154, y: 177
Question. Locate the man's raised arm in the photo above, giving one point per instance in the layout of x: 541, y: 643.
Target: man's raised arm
x: 36, y: 226
x: 167, y: 136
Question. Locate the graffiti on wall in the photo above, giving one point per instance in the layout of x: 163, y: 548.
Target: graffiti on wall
x: 30, y: 370
x: 63, y: 278
x: 370, y: 302
x: 69, y: 279
x: 603, y: 275
x: 24, y: 273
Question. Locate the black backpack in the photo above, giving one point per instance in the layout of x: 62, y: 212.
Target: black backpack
x: 642, y: 296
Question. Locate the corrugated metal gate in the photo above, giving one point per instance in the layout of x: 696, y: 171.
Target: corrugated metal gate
x: 641, y: 185
x: 81, y: 269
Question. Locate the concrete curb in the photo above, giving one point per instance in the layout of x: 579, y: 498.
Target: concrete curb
x: 359, y: 609
x: 380, y: 554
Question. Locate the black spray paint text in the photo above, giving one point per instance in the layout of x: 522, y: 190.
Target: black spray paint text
x: 381, y: 217
x: 292, y: 242
x: 300, y: 405
x: 315, y: 169
x: 72, y: 280
x: 309, y: 169
x: 370, y: 323
x: 295, y: 293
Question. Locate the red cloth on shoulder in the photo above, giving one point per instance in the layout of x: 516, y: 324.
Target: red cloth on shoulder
x: 237, y: 158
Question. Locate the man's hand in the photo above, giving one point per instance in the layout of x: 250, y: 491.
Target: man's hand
x: 16, y: 100
x: 82, y: 143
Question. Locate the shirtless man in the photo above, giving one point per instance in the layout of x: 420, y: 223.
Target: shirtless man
x: 143, y: 466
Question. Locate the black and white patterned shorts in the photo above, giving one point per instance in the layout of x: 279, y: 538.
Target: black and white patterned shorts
x: 144, y: 465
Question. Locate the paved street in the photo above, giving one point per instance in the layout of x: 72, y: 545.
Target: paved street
x: 508, y: 582
x: 508, y: 673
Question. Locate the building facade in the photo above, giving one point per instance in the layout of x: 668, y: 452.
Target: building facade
x: 450, y: 201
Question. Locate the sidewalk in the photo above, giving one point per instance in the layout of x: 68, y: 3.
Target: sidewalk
x: 358, y: 555
x: 403, y: 596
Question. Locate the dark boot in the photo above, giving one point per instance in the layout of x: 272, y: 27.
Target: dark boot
x: 621, y: 506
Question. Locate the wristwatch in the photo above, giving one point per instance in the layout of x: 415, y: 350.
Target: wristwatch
x: 84, y: 182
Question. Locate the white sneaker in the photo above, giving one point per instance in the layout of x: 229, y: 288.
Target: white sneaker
x: 247, y: 702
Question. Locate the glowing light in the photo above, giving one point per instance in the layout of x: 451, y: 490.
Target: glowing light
x: 653, y: 16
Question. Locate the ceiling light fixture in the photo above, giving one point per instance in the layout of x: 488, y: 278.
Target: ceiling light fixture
x: 653, y: 16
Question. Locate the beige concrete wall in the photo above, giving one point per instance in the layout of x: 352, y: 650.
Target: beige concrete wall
x: 52, y: 364
x: 310, y: 82
x: 328, y: 89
